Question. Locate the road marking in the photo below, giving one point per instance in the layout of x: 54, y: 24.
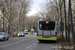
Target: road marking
x: 29, y: 46
x: 34, y: 43
x: 12, y: 43
x: 37, y: 41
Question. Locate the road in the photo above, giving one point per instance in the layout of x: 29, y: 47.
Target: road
x: 26, y: 43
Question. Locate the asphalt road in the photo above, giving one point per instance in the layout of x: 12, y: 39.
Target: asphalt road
x: 26, y: 43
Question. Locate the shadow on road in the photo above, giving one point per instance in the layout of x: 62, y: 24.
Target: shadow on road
x: 48, y: 42
x: 2, y: 41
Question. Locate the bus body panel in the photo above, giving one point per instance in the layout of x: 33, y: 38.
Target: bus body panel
x: 44, y: 34
x: 52, y: 38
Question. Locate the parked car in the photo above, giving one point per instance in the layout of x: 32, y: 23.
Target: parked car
x: 25, y: 31
x: 4, y: 36
x: 21, y: 34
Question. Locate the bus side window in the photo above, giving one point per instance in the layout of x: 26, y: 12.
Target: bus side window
x: 40, y: 26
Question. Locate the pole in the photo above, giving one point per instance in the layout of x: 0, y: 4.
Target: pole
x: 73, y: 33
x: 69, y: 15
x: 65, y: 20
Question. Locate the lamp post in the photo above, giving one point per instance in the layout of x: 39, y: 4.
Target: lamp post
x: 70, y: 24
x: 70, y: 18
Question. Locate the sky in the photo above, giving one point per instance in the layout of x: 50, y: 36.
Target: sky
x: 35, y: 7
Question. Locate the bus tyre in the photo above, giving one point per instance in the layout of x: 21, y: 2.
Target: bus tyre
x: 40, y: 41
x: 23, y: 35
x: 7, y: 39
x: 4, y: 39
x: 57, y: 41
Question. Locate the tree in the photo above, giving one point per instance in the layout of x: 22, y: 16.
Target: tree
x: 31, y: 21
x: 12, y: 11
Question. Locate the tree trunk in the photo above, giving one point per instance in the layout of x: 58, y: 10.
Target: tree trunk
x: 73, y: 33
x: 3, y: 25
x: 61, y: 18
x: 65, y: 20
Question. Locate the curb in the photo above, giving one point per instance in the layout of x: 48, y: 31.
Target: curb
x: 58, y: 45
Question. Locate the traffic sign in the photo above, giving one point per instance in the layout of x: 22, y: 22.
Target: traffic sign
x: 68, y: 21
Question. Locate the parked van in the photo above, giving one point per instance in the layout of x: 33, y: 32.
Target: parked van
x: 25, y: 31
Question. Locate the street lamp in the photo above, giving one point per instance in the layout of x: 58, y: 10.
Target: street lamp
x: 70, y: 18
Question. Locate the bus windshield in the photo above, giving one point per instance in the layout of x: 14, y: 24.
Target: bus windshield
x: 44, y: 26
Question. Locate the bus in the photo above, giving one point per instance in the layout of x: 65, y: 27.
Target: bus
x: 47, y: 30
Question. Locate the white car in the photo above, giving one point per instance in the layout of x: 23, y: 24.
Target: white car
x: 4, y: 36
x: 20, y: 34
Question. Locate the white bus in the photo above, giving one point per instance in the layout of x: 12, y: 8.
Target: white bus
x: 47, y: 30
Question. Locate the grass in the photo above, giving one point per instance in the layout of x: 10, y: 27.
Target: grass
x: 12, y: 36
x: 64, y: 43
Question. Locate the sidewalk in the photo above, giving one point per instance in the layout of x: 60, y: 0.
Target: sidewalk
x: 32, y: 34
x: 65, y: 45
x: 70, y: 36
x: 59, y: 47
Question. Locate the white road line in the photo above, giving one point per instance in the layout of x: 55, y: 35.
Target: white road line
x: 29, y: 46
x: 12, y: 43
x: 37, y: 41
x: 34, y: 43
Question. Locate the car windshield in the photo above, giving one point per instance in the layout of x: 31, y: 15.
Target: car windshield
x: 1, y: 33
x: 26, y: 31
x: 20, y: 32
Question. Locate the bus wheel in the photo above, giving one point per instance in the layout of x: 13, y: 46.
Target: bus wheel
x: 57, y: 41
x: 40, y: 41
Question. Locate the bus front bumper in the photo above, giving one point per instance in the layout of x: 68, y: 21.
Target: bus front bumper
x: 52, y: 38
